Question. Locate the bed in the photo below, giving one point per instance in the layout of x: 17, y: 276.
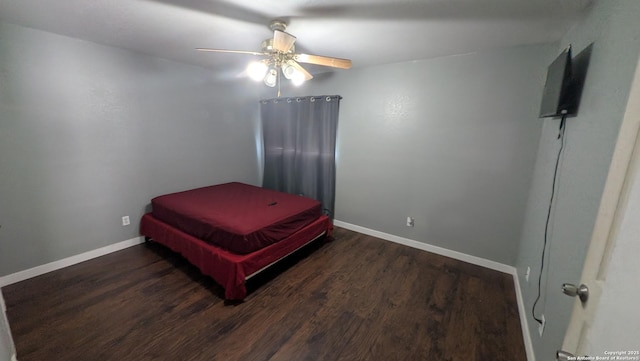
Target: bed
x: 233, y: 231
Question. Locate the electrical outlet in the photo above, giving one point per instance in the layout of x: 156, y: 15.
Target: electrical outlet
x: 541, y: 326
x: 526, y: 275
x: 410, y: 222
x: 125, y: 221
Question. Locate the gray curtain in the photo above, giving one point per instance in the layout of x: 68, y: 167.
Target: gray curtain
x: 299, y: 146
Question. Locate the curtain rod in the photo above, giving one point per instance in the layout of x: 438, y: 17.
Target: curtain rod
x: 313, y: 98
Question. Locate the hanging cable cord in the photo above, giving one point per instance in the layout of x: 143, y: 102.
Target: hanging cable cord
x: 546, y: 226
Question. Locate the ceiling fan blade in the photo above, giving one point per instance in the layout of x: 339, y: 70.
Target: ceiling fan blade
x: 303, y: 71
x: 231, y: 51
x: 323, y: 60
x: 283, y: 41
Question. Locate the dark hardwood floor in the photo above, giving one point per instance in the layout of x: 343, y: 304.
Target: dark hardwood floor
x: 356, y: 298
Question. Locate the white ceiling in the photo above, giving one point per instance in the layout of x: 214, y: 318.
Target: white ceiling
x: 369, y: 32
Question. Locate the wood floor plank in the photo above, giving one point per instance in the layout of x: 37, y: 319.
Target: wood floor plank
x: 355, y: 298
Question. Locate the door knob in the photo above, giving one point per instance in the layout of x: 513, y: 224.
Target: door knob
x: 564, y: 356
x: 573, y: 291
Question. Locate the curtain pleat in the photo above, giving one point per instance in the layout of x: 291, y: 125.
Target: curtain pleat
x: 299, y: 146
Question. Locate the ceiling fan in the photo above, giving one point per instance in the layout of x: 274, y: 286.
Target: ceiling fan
x: 280, y: 56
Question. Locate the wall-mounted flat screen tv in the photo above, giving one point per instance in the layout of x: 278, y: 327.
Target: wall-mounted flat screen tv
x: 557, y: 99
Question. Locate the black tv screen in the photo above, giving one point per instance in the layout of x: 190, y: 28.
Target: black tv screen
x: 556, y: 97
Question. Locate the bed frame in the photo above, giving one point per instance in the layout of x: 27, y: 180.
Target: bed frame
x: 228, y: 269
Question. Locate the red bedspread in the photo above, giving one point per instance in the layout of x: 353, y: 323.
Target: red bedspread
x: 228, y: 269
x: 237, y: 217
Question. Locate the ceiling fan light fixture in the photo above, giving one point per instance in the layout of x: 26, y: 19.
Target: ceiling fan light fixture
x: 298, y: 78
x: 257, y: 70
x: 292, y: 73
x: 289, y: 71
x: 271, y: 78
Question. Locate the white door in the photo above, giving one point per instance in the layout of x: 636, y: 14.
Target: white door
x: 607, y: 323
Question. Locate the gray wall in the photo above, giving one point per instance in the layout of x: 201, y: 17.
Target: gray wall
x: 449, y: 141
x: 614, y: 29
x: 90, y: 133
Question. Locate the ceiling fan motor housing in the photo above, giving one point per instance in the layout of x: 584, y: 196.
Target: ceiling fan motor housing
x: 279, y: 25
x: 267, y: 46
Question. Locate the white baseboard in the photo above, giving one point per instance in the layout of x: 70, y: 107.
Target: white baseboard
x: 461, y: 257
x: 528, y: 345
x: 429, y: 248
x: 69, y: 261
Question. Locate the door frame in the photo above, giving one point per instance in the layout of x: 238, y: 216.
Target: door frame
x: 624, y: 164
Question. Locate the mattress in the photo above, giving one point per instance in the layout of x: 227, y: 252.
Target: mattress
x: 238, y: 217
